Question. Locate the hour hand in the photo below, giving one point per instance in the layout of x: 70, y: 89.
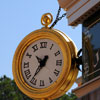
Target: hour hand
x: 43, y: 62
x: 39, y: 59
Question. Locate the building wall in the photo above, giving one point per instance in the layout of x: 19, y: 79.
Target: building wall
x: 90, y: 89
x: 94, y: 95
x: 91, y: 47
x: 87, y: 13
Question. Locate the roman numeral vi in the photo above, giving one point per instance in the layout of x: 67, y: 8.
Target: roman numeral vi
x: 42, y: 83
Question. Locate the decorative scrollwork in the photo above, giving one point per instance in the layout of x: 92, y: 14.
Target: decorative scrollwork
x: 46, y: 19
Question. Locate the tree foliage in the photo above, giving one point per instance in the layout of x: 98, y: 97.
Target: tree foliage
x: 69, y: 96
x: 9, y: 91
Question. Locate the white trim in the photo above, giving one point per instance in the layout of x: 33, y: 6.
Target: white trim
x: 87, y: 87
x: 93, y: 72
x: 79, y: 10
x: 77, y: 6
x: 76, y: 17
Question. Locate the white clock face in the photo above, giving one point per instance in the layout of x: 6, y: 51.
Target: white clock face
x: 42, y: 63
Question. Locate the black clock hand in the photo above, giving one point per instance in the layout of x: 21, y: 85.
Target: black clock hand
x: 39, y: 59
x: 39, y: 67
x: 37, y: 70
x: 42, y: 64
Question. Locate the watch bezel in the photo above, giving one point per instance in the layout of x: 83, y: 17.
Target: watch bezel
x: 63, y: 43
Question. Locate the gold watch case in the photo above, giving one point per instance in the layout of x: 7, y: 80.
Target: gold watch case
x: 69, y: 71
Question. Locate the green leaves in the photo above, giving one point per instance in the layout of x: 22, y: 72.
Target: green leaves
x: 9, y: 91
x: 68, y: 96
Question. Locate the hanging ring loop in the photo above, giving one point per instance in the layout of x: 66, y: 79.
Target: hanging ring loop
x: 46, y: 19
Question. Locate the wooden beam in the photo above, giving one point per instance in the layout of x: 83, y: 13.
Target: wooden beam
x: 87, y: 87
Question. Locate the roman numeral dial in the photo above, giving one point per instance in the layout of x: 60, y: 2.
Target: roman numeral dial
x: 42, y: 63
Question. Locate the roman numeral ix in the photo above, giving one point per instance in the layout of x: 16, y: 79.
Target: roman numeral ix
x: 58, y: 62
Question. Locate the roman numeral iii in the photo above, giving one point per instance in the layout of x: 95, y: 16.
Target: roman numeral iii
x: 58, y: 62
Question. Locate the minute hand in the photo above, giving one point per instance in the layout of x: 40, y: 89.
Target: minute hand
x: 37, y: 70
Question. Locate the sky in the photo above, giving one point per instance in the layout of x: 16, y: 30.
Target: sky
x: 20, y: 17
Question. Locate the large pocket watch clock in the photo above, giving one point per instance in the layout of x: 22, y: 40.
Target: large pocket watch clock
x: 42, y: 64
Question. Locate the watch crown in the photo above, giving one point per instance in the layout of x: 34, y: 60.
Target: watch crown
x: 46, y: 19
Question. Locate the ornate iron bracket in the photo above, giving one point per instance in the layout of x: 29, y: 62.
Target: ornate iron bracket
x: 78, y: 60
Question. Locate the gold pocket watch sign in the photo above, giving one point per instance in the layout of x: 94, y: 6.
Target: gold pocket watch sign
x: 42, y: 64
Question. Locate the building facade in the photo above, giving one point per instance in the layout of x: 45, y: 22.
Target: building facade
x: 87, y: 13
